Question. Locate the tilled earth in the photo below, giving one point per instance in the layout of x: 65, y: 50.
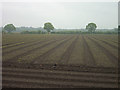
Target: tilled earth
x: 82, y: 61
x: 59, y: 76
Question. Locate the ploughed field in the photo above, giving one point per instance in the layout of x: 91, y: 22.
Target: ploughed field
x: 81, y: 61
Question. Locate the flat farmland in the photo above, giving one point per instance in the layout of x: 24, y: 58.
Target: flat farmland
x: 81, y: 60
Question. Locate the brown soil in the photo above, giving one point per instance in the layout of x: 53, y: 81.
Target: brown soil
x: 43, y: 56
x: 88, y: 56
x: 56, y: 78
x: 31, y: 75
x: 106, y: 43
x: 109, y: 54
x: 28, y: 45
x: 66, y: 56
x: 25, y: 53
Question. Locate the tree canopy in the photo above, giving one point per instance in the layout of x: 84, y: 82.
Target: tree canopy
x: 9, y: 28
x: 48, y: 26
x: 91, y: 27
x: 119, y: 27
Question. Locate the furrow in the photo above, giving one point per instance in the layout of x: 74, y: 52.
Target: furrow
x: 29, y: 51
x: 66, y: 55
x: 88, y: 56
x: 43, y: 56
x: 115, y: 47
x: 55, y: 72
x: 55, y: 83
x: 109, y: 54
x: 60, y: 77
x: 28, y: 45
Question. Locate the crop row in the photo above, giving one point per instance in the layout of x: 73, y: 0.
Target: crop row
x: 68, y: 49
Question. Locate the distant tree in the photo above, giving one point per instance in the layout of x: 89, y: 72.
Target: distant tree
x: 39, y: 32
x: 3, y: 31
x: 9, y: 28
x: 48, y: 26
x: 115, y: 29
x: 118, y: 27
x: 91, y: 27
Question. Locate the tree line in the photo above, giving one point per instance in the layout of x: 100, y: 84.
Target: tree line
x: 91, y: 28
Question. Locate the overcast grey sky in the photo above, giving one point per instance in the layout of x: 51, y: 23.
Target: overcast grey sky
x: 61, y: 15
